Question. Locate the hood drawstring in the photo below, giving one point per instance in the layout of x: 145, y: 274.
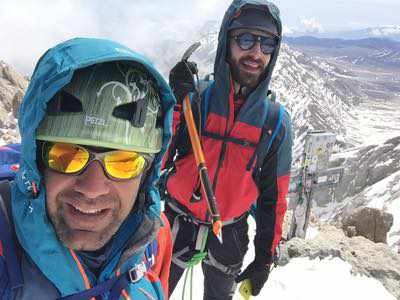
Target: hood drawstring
x: 34, y: 189
x: 31, y: 186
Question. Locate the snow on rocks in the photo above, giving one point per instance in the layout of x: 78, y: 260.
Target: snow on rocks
x: 375, y: 260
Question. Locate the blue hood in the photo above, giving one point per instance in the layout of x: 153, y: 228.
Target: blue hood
x: 221, y: 66
x: 35, y: 232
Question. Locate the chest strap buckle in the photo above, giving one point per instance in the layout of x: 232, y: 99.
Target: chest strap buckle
x: 137, y: 272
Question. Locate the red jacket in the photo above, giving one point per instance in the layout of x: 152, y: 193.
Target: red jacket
x: 229, y: 142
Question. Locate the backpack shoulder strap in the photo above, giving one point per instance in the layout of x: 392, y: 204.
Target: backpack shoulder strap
x: 269, y: 133
x: 206, y: 94
x: 5, y: 198
x: 11, y: 248
x: 115, y: 285
x: 151, y: 253
x: 272, y: 125
x: 271, y: 95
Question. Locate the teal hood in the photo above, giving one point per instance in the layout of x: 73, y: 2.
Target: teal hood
x: 221, y: 66
x: 35, y: 232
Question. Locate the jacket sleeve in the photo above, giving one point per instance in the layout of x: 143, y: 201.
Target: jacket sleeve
x: 273, y: 188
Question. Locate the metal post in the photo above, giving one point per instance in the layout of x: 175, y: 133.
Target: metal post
x: 313, y: 175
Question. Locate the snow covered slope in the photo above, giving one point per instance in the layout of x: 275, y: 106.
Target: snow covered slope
x: 372, y: 179
x: 304, y: 279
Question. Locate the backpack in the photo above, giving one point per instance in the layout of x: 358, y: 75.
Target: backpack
x: 10, y: 250
x: 9, y: 161
x: 272, y: 124
x: 10, y: 270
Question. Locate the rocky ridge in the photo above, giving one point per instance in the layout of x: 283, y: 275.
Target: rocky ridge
x: 367, y: 258
x: 12, y: 90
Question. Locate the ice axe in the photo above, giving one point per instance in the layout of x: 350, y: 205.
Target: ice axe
x: 198, y: 151
x: 189, y: 51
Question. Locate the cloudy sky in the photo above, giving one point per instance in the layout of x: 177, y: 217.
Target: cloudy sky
x: 29, y: 27
x: 339, y: 14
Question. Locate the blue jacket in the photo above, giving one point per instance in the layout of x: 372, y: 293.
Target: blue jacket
x: 49, y: 269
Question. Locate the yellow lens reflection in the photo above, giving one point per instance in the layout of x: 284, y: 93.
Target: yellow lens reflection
x: 67, y: 158
x: 124, y: 164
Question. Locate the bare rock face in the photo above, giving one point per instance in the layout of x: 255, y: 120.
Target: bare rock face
x: 371, y: 259
x: 16, y: 102
x: 367, y: 166
x: 12, y: 90
x: 15, y: 79
x: 370, y: 223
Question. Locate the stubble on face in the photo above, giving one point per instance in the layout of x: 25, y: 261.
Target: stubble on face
x: 83, y: 239
x: 84, y: 222
x: 247, y: 66
x: 242, y: 77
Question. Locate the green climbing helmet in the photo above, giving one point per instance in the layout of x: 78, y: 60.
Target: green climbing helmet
x: 113, y: 105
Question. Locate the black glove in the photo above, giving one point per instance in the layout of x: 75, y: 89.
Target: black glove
x: 257, y: 274
x: 181, y: 79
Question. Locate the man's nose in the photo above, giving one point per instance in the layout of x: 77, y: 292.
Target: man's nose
x: 93, y: 182
x: 256, y: 49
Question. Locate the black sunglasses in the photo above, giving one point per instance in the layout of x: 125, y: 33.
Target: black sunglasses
x: 247, y: 40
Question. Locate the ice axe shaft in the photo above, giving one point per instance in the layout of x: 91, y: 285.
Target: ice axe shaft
x: 201, y: 167
x: 190, y: 51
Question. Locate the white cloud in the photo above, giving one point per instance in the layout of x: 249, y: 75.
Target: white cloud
x: 356, y: 25
x: 311, y: 25
x: 29, y: 27
x: 289, y: 29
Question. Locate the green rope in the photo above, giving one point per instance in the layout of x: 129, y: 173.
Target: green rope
x: 196, y: 259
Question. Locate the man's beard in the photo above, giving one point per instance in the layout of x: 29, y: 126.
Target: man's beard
x: 66, y: 234
x: 244, y: 79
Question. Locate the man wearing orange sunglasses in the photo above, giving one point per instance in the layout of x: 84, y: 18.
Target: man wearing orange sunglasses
x: 94, y: 123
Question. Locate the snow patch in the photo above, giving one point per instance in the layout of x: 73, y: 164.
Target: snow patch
x: 328, y: 279
x: 303, y: 279
x: 312, y: 232
x: 385, y: 163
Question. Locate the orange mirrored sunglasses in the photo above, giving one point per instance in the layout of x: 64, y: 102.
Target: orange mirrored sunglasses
x: 74, y: 159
